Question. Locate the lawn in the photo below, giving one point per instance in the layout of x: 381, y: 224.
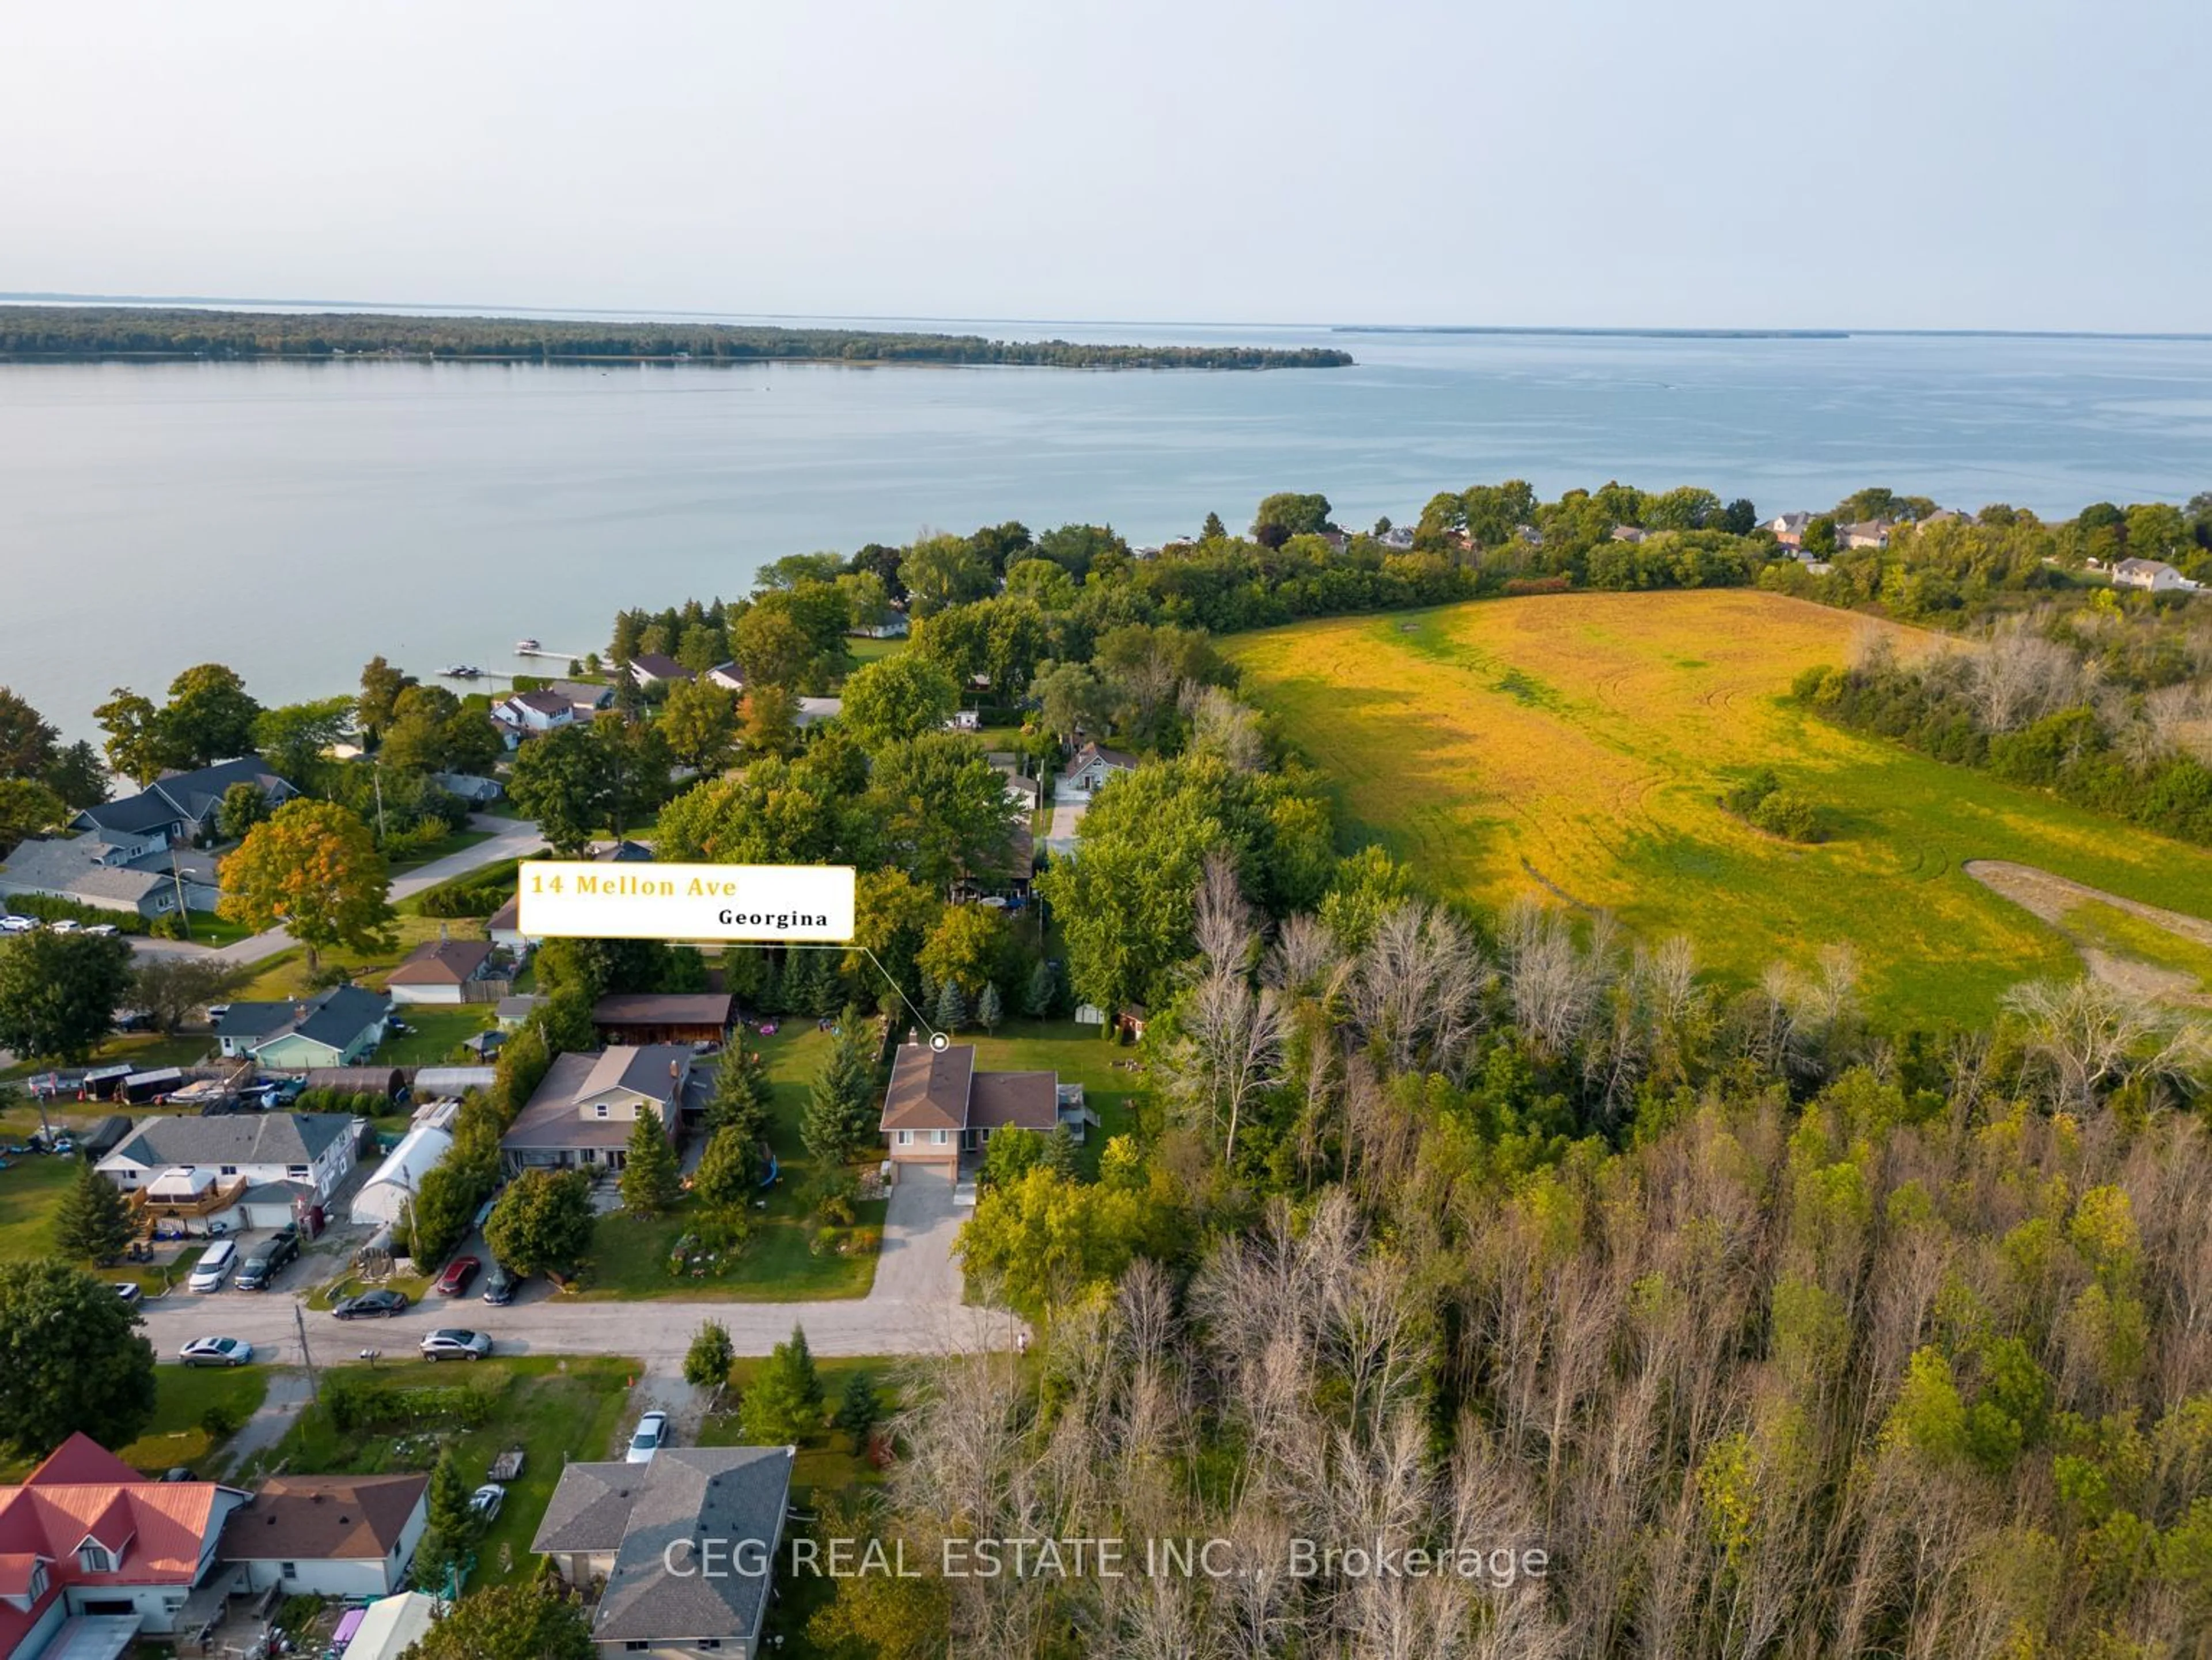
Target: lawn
x: 555, y: 1408
x: 183, y: 1395
x: 438, y: 1031
x: 453, y: 841
x: 631, y: 1256
x: 30, y: 1187
x: 1079, y: 1055
x: 285, y: 975
x: 498, y: 874
x: 829, y: 1461
x: 1573, y: 747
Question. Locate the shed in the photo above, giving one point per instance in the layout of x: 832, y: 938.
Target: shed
x: 387, y: 1081
x: 385, y: 1196
x: 452, y: 1080
x: 104, y: 1137
x: 140, y: 1087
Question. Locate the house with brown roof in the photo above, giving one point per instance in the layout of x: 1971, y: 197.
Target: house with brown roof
x: 652, y: 668
x: 582, y: 1113
x: 94, y: 1555
x: 329, y: 1536
x: 442, y: 971
x: 938, y: 1106
x: 662, y: 1017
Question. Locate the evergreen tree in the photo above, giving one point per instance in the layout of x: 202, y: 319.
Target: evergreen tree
x: 92, y: 1222
x: 784, y: 1406
x: 988, y: 1009
x: 771, y: 996
x: 454, y: 1527
x: 841, y: 1118
x: 802, y: 981
x: 728, y: 1170
x: 740, y: 1098
x: 951, y: 1007
x: 706, y: 1364
x: 650, y: 1179
x: 857, y: 1409
x: 1212, y: 529
x: 1043, y: 993
x: 1060, y: 1152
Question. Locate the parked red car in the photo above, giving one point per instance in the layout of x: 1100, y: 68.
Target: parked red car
x: 459, y: 1272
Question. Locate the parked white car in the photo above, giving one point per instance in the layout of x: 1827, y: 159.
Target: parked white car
x: 486, y: 1501
x: 652, y: 1436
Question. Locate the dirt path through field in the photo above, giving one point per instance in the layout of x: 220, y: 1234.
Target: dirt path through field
x: 2051, y: 897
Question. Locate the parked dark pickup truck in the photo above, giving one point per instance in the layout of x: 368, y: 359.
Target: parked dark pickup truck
x: 264, y: 1261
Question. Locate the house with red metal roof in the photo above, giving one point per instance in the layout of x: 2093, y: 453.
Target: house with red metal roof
x: 93, y: 1556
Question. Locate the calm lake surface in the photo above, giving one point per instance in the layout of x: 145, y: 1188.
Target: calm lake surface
x: 293, y: 519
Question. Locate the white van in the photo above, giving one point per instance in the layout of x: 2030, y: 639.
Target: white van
x: 213, y: 1266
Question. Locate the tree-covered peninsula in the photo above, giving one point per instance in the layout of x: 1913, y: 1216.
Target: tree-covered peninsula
x: 77, y: 331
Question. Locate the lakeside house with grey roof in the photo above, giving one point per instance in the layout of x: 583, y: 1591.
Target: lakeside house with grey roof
x: 178, y: 807
x: 645, y: 1532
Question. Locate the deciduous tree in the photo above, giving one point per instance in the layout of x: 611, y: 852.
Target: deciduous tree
x: 313, y: 868
x: 59, y: 992
x: 538, y: 1618
x: 71, y: 1360
x: 544, y: 1223
x: 898, y: 698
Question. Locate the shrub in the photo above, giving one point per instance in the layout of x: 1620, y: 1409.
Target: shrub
x: 221, y: 1421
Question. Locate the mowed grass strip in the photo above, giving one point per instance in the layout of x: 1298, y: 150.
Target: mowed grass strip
x: 1574, y: 746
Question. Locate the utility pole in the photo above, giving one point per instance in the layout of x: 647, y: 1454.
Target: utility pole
x: 307, y: 1355
x: 177, y: 877
x: 376, y: 773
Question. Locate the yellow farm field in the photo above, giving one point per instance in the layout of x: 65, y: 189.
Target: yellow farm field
x: 1575, y: 745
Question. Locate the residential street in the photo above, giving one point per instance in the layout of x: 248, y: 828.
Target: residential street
x: 914, y: 1308
x: 511, y: 839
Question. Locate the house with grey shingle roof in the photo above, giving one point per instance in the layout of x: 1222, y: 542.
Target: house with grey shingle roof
x: 334, y: 1028
x: 685, y: 1545
x: 179, y: 806
x: 89, y: 871
x: 276, y: 1160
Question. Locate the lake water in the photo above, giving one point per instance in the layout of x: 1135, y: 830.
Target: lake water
x: 293, y: 519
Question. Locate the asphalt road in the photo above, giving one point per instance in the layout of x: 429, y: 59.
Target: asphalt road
x: 511, y: 839
x: 914, y: 1307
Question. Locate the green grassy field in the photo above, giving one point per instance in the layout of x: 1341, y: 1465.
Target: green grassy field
x: 828, y: 1459
x: 630, y: 1256
x: 1573, y: 747
x: 556, y: 1409
x: 183, y: 1395
x: 1079, y: 1055
x: 438, y: 1031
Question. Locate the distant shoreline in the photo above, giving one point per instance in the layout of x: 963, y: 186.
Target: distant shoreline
x: 93, y: 333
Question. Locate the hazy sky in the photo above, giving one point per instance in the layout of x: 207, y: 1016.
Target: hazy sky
x: 1941, y: 163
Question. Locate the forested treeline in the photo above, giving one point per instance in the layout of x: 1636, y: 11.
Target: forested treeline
x: 1473, y: 1237
x: 96, y: 330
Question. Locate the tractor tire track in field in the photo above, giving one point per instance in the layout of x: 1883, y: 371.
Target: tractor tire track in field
x: 2050, y: 897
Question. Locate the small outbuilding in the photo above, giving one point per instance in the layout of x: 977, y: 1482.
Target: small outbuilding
x: 384, y: 1197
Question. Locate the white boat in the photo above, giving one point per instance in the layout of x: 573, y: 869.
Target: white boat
x: 525, y: 644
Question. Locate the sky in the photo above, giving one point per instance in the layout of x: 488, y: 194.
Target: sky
x: 2027, y: 164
